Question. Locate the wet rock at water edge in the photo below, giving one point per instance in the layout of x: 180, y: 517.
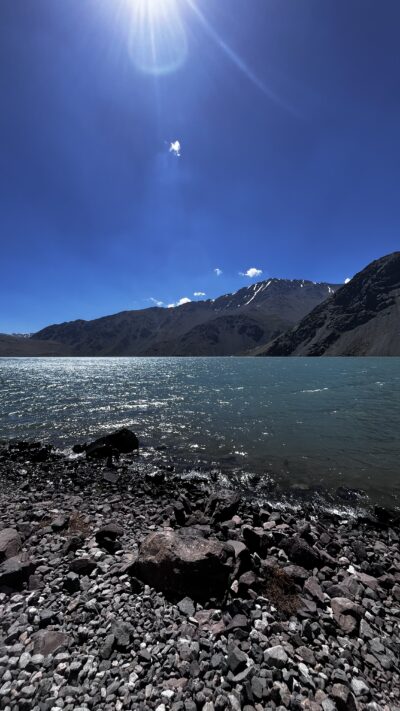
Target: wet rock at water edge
x: 123, y: 441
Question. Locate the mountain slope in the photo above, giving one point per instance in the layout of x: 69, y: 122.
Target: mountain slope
x: 21, y: 346
x: 231, y: 324
x: 226, y: 335
x: 362, y: 318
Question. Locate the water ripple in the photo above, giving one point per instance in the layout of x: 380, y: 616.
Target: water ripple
x: 307, y: 420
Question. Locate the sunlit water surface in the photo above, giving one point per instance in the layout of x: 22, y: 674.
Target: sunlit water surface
x: 304, y: 421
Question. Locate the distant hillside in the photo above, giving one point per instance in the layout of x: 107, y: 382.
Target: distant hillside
x: 362, y: 318
x: 230, y: 325
x: 22, y: 346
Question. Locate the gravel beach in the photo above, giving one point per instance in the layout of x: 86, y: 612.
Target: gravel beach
x: 123, y: 586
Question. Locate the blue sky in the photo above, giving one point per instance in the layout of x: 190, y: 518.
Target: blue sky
x: 288, y: 115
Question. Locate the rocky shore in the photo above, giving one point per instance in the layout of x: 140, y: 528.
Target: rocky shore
x: 123, y: 587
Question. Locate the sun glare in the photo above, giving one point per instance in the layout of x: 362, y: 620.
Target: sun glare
x: 154, y: 7
x: 158, y: 41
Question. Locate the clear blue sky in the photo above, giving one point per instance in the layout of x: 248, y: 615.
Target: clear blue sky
x: 288, y: 116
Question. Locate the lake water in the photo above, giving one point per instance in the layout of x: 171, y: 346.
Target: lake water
x: 329, y: 421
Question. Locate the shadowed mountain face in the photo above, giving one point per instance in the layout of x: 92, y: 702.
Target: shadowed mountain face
x: 22, y: 346
x: 232, y: 324
x: 362, y: 318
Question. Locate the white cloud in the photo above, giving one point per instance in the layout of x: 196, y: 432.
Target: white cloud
x: 199, y: 293
x: 251, y: 273
x: 346, y: 281
x: 183, y: 300
x: 218, y: 271
x: 175, y: 148
x: 156, y: 301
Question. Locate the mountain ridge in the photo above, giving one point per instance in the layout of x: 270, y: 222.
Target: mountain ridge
x: 231, y: 324
x: 361, y: 318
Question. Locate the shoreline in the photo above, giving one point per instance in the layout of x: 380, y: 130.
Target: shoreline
x: 307, y: 617
x: 285, y: 488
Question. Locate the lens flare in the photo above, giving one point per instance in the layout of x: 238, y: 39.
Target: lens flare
x: 157, y: 42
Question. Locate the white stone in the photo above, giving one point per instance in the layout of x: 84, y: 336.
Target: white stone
x: 168, y: 694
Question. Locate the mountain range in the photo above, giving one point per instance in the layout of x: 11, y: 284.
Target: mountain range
x: 275, y: 317
x: 231, y: 324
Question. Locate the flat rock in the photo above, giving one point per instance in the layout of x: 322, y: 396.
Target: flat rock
x: 10, y: 543
x: 49, y: 641
x: 111, y: 476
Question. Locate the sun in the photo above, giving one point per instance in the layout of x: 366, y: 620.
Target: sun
x: 155, y: 8
x: 158, y: 41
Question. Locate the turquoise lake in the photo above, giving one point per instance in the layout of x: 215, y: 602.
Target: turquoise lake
x: 329, y: 421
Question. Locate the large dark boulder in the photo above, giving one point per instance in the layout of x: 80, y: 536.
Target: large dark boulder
x: 257, y: 540
x: 387, y: 516
x: 185, y: 565
x: 301, y: 553
x: 42, y: 455
x: 122, y: 441
x: 83, y: 566
x: 222, y: 506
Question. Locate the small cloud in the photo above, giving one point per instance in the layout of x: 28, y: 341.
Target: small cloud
x: 251, y: 273
x: 175, y: 148
x: 199, y: 293
x: 218, y: 271
x: 156, y: 302
x: 346, y: 281
x: 183, y: 300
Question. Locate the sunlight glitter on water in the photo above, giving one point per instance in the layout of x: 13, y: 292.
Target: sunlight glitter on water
x: 307, y: 420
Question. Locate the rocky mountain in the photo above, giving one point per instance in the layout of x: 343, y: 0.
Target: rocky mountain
x: 362, y: 318
x: 229, y: 325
